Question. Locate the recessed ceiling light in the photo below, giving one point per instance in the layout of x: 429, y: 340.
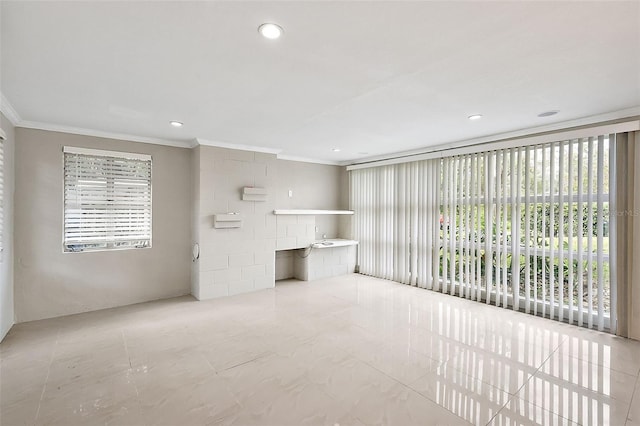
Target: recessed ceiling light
x: 176, y: 123
x: 336, y: 150
x: 548, y: 113
x: 270, y: 31
x: 475, y: 117
x: 363, y: 153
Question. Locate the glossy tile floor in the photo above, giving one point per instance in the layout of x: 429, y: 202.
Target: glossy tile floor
x: 344, y: 351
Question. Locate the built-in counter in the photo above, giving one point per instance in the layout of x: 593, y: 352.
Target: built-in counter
x: 322, y: 259
x: 333, y: 242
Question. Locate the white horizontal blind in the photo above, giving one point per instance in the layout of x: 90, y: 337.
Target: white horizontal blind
x: 525, y: 228
x: 107, y: 201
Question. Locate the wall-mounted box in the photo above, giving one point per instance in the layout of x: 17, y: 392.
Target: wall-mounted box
x: 227, y: 220
x: 251, y: 193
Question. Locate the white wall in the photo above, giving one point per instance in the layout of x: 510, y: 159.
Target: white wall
x: 325, y: 262
x: 314, y: 186
x: 298, y: 231
x: 50, y: 283
x: 285, y: 264
x: 237, y: 260
x: 241, y: 260
x: 189, y: 187
x: 7, y: 316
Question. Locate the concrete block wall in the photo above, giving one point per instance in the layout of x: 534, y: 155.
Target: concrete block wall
x: 284, y: 264
x: 326, y: 262
x: 236, y: 260
x: 240, y: 260
x: 295, y: 231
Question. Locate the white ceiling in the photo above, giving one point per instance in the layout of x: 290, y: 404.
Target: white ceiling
x: 369, y: 78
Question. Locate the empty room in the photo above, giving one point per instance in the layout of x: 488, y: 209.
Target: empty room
x: 341, y: 213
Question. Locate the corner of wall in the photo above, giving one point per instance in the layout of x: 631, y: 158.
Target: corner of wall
x: 7, y: 309
x: 83, y: 282
x: 240, y: 260
x: 195, y: 221
x: 236, y: 260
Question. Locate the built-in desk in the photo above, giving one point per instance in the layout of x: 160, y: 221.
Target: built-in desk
x: 322, y: 259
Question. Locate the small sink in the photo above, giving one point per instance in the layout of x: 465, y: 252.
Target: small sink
x: 333, y: 242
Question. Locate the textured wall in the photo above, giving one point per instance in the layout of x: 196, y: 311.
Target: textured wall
x: 325, y: 263
x: 242, y: 259
x: 50, y: 283
x: 295, y: 231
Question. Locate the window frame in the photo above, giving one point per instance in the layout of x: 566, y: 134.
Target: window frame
x: 608, y: 198
x: 114, y: 155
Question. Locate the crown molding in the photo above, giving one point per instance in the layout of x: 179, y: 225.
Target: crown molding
x: 192, y: 143
x: 8, y: 110
x: 309, y: 160
x: 12, y: 115
x: 36, y: 125
x: 255, y: 148
x: 241, y: 147
x: 14, y: 118
x: 530, y: 131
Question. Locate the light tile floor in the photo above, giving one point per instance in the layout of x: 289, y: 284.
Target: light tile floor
x: 350, y: 350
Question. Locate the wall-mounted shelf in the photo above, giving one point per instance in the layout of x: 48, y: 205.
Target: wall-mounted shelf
x: 314, y: 212
x: 227, y: 220
x: 250, y: 193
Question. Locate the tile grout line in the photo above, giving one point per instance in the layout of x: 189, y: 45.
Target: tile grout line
x: 46, y: 380
x: 512, y: 395
x: 565, y: 337
x: 406, y: 385
x: 527, y: 381
x: 633, y: 394
x: 594, y: 391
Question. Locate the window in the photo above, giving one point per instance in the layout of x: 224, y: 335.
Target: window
x: 107, y: 200
x: 525, y: 227
x: 529, y: 228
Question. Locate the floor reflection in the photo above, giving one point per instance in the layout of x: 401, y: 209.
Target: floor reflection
x: 512, y: 368
x: 350, y: 350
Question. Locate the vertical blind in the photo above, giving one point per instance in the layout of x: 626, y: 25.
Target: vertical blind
x: 525, y: 227
x: 107, y: 200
